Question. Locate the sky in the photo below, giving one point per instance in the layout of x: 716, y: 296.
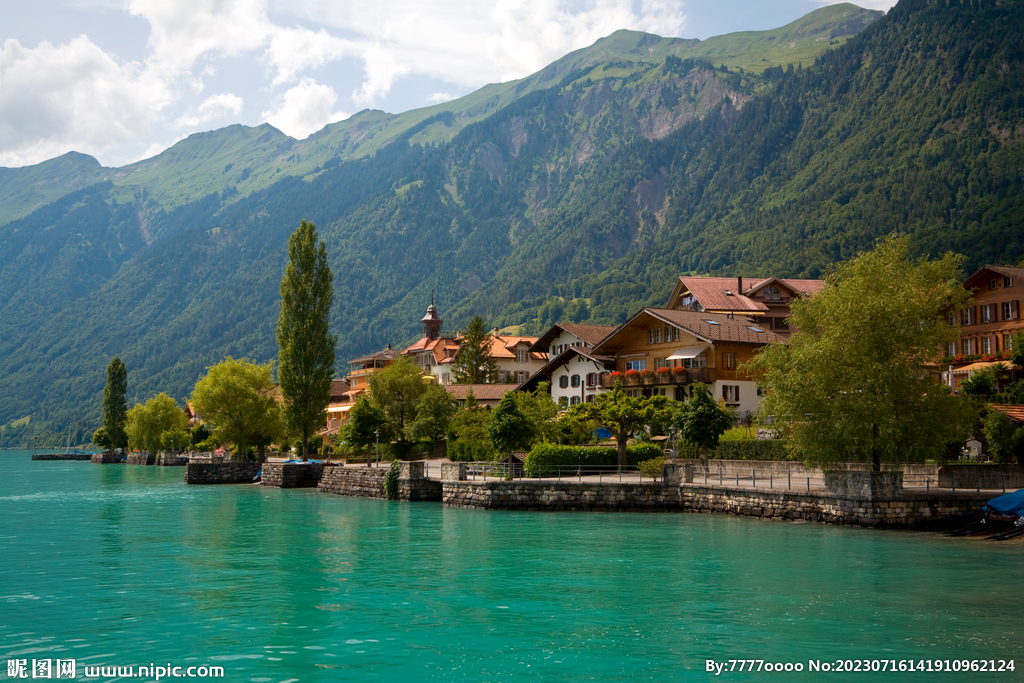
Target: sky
x: 123, y: 80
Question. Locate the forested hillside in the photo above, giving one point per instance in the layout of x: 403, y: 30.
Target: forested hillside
x: 580, y: 201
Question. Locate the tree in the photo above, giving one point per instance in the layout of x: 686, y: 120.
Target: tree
x: 541, y: 410
x: 980, y: 383
x: 434, y: 412
x: 1005, y: 438
x: 510, y: 428
x: 305, y: 346
x: 147, y: 423
x: 624, y: 414
x: 100, y: 439
x: 473, y: 363
x: 115, y: 405
x: 236, y: 398
x: 397, y: 389
x: 852, y: 382
x: 701, y: 421
x: 365, y: 421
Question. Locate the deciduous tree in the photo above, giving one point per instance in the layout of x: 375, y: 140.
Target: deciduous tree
x: 305, y: 346
x: 147, y: 423
x: 510, y: 428
x: 623, y: 414
x: 701, y: 421
x: 236, y: 398
x: 434, y: 412
x: 397, y: 389
x: 853, y: 383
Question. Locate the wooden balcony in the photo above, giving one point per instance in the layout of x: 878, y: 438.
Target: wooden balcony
x: 706, y: 375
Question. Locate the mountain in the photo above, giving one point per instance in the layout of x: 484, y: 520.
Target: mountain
x: 581, y: 200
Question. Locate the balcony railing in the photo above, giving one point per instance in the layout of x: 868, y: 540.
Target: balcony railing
x: 687, y: 376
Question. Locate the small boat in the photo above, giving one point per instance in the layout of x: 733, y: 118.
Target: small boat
x: 1006, y: 508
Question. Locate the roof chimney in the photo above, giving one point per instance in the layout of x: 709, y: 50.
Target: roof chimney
x: 495, y: 331
x: 739, y: 284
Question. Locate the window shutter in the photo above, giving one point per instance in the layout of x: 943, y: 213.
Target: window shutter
x: 737, y: 397
x: 563, y: 381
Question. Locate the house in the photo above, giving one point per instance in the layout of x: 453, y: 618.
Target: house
x: 488, y: 395
x: 573, y: 370
x: 345, y: 392
x: 432, y: 349
x: 664, y: 352
x: 763, y: 300
x: 515, y: 360
x: 341, y: 402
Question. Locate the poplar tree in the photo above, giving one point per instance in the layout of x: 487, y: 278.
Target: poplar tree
x: 115, y: 405
x: 473, y: 363
x: 305, y: 346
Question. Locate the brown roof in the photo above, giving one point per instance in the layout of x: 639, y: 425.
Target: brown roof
x: 338, y: 388
x: 723, y: 293
x: 503, y: 346
x: 482, y: 392
x: 1008, y: 271
x: 1015, y: 413
x: 591, y: 334
x: 441, y: 347
x: 710, y: 327
x: 386, y: 354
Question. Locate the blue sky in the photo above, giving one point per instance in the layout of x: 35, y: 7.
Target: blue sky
x: 123, y: 80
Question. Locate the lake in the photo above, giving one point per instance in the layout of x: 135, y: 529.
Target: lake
x: 119, y: 565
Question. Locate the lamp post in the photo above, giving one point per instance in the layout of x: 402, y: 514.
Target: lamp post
x: 672, y: 433
x: 376, y: 463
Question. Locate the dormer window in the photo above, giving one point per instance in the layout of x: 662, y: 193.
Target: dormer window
x: 773, y: 293
x: 992, y: 283
x: 522, y: 355
x: 1007, y: 281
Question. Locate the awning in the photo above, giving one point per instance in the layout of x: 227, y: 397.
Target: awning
x: 974, y: 367
x: 340, y: 409
x: 691, y: 352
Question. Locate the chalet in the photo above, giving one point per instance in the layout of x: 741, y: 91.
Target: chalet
x: 515, y: 359
x: 573, y: 370
x: 432, y: 349
x: 764, y: 300
x: 664, y: 352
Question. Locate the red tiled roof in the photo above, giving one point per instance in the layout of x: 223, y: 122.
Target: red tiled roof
x: 482, y: 392
x: 723, y: 293
x: 713, y: 327
x: 1015, y: 413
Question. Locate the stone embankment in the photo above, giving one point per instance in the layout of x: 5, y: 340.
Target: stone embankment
x: 141, y: 459
x: 561, y: 496
x: 221, y: 472
x: 62, y: 456
x: 293, y: 475
x: 368, y: 482
x: 106, y: 458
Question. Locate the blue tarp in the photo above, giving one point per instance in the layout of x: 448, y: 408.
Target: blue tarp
x: 1010, y: 504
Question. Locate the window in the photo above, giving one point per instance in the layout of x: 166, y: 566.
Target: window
x: 986, y: 313
x: 730, y: 361
x: 502, y: 376
x: 952, y: 319
x: 967, y: 347
x: 575, y: 401
x: 446, y: 378
x: 951, y: 350
x: 575, y: 380
x: 731, y: 393
x: 1008, y: 342
x: 773, y: 293
x: 563, y: 382
x: 522, y: 376
x: 659, y: 363
x: 654, y: 336
x: 523, y: 355
x: 1008, y: 310
x: 563, y: 401
x: 591, y: 379
x: 986, y: 344
x: 969, y: 316
x: 1007, y: 281
x: 590, y: 398
x: 636, y: 364
x: 992, y: 284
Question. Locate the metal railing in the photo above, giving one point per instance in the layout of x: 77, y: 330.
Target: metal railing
x: 579, y: 473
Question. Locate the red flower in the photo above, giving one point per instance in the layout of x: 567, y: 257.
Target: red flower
x: 615, y: 374
x: 664, y: 371
x: 679, y: 370
x: 632, y: 373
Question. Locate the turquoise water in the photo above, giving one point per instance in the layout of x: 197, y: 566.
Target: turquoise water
x: 123, y: 565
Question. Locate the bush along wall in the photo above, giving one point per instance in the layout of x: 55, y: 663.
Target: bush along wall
x: 764, y: 449
x: 470, y: 451
x: 548, y: 458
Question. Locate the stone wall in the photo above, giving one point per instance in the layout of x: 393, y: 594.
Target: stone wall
x: 368, y: 482
x: 545, y: 495
x: 141, y: 459
x: 106, y: 458
x: 221, y: 472
x: 62, y: 456
x: 986, y: 476
x: 365, y: 482
x: 870, y: 485
x: 292, y: 475
x: 172, y: 459
x: 909, y: 511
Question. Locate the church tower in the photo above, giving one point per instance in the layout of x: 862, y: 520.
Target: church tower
x: 431, y: 323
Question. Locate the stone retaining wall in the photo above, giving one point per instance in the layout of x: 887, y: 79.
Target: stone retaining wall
x: 62, y: 456
x: 292, y: 475
x: 106, y: 458
x: 569, y: 496
x: 221, y: 472
x: 910, y: 511
x: 986, y: 476
x: 365, y: 482
x: 172, y: 460
x: 141, y: 459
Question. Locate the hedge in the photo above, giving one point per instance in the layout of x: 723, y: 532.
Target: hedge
x: 549, y: 457
x: 761, y: 449
x: 470, y: 451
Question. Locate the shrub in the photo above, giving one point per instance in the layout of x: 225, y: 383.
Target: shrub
x: 464, y: 450
x: 760, y: 449
x: 652, y: 468
x: 548, y: 457
x: 391, y: 480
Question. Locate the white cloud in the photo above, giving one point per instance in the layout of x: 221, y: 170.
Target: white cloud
x: 439, y: 97
x: 214, y: 107
x: 304, y: 109
x: 293, y: 50
x: 73, y: 96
